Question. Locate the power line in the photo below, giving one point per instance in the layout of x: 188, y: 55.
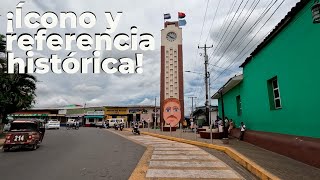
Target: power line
x: 227, y: 33
x: 249, y: 41
x: 238, y: 18
x: 213, y: 19
x: 242, y: 39
x: 204, y: 20
x: 219, y: 32
x: 236, y: 34
x: 227, y: 26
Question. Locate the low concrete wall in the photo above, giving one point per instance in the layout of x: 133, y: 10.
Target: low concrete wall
x: 304, y: 149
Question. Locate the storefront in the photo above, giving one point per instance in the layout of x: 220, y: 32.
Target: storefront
x: 116, y: 112
x: 93, y: 117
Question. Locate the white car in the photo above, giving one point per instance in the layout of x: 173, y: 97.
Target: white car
x: 53, y: 124
x: 114, y: 121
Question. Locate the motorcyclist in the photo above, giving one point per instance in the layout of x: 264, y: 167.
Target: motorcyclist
x: 136, y: 128
x: 76, y: 124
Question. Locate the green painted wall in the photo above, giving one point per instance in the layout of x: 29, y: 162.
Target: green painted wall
x: 230, y: 105
x: 294, y: 57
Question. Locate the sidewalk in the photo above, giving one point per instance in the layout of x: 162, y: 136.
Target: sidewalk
x: 280, y: 166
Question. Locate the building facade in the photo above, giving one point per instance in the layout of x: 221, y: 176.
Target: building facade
x: 277, y: 96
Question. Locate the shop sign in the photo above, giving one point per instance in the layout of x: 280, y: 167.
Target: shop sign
x: 29, y: 115
x: 140, y: 111
x: 95, y: 113
x: 116, y: 111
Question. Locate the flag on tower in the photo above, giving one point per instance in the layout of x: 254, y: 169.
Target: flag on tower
x: 181, y: 15
x: 182, y: 22
x: 167, y: 16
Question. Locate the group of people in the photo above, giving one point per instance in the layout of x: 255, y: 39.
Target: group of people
x: 227, y: 125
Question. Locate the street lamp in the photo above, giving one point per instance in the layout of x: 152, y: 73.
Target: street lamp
x: 316, y: 11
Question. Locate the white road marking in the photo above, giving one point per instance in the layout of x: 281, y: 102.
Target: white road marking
x: 171, y: 173
x: 186, y: 164
x: 177, y: 149
x: 181, y: 152
x: 189, y: 157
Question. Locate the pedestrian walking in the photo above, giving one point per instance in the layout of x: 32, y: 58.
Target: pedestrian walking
x: 231, y: 125
x: 184, y: 125
x: 220, y: 125
x: 226, y: 125
x: 242, y: 130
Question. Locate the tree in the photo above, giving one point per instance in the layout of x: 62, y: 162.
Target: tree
x: 17, y: 91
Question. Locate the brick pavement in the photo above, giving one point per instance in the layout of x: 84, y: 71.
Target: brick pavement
x: 279, y: 165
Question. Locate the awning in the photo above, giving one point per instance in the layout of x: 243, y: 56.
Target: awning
x: 29, y: 115
x: 233, y: 82
x: 93, y: 116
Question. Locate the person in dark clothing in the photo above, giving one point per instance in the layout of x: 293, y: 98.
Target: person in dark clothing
x: 242, y: 130
x: 42, y: 130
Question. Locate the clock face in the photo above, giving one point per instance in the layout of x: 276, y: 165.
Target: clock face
x: 171, y: 36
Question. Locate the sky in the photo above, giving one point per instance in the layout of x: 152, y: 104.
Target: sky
x: 232, y: 27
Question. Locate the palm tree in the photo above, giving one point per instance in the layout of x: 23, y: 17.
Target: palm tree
x: 17, y: 91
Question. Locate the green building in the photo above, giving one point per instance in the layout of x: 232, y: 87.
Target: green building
x: 278, y: 94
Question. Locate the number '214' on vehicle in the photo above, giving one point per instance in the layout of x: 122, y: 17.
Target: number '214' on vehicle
x: 24, y: 133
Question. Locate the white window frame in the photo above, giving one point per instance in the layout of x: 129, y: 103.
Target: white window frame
x: 274, y: 96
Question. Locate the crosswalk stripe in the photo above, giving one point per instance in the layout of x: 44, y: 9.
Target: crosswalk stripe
x: 176, y: 149
x: 172, y: 173
x: 186, y: 164
x: 182, y: 152
x: 183, y: 157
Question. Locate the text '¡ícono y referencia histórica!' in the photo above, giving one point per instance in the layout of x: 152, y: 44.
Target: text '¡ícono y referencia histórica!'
x: 42, y: 40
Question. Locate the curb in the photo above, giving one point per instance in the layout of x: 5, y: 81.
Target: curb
x: 235, y: 155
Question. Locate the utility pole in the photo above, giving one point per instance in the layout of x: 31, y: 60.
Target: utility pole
x: 193, y: 120
x: 207, y: 76
x: 192, y: 105
x: 155, y: 113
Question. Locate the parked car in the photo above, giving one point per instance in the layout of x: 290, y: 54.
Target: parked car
x: 70, y: 122
x: 99, y: 123
x: 114, y: 121
x: 53, y: 124
x: 24, y: 133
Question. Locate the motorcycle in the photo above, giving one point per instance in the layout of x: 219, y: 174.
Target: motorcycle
x: 136, y: 130
x: 121, y: 126
x: 72, y: 126
x: 116, y: 126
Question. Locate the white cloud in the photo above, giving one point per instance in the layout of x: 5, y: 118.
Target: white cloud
x: 118, y: 89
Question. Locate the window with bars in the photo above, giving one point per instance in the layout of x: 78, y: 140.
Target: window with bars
x: 274, y: 94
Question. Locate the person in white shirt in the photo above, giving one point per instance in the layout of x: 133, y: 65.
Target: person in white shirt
x: 242, y: 130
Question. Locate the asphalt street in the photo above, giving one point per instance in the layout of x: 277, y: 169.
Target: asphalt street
x: 87, y: 153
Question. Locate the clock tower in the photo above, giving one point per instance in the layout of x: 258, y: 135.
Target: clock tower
x: 171, y: 83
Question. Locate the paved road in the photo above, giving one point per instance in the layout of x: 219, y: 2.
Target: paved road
x: 88, y: 153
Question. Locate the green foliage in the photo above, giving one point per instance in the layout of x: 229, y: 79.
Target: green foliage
x: 17, y: 91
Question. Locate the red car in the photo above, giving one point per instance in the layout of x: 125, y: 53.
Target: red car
x: 24, y: 133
